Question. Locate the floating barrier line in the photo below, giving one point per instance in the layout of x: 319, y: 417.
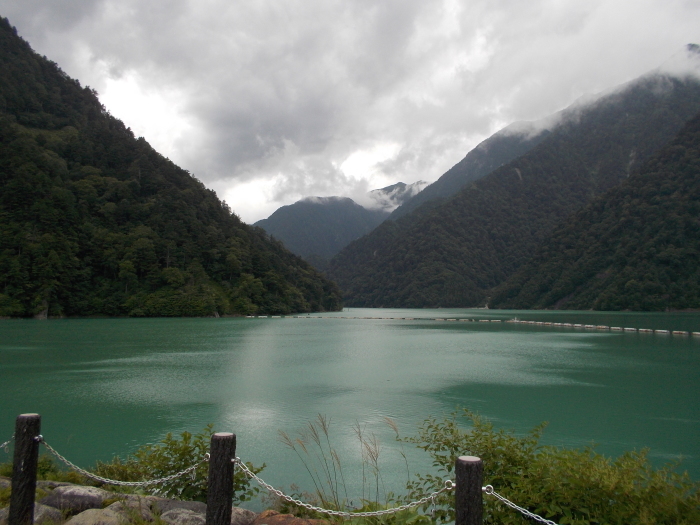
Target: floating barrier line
x: 514, y: 321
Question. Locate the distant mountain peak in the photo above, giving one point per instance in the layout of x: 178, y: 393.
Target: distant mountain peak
x: 391, y: 197
x: 324, y: 200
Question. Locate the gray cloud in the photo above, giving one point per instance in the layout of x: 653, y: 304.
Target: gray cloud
x: 285, y: 92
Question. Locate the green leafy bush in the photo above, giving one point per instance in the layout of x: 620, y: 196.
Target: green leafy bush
x: 46, y: 469
x: 570, y: 487
x: 159, y: 460
x: 174, y: 455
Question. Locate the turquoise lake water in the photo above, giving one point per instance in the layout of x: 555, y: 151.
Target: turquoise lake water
x: 106, y: 386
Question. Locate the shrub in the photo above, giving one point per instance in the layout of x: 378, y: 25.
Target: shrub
x: 170, y: 456
x: 567, y: 486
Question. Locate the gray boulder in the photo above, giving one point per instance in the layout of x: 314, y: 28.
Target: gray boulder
x: 51, y: 485
x: 97, y: 517
x: 241, y: 516
x: 183, y: 517
x: 133, y: 506
x: 42, y: 514
x: 74, y: 499
x: 164, y: 505
x: 46, y: 514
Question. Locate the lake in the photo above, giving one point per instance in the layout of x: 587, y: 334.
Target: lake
x: 106, y: 386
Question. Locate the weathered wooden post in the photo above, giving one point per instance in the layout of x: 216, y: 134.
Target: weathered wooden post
x: 220, y: 487
x: 469, y: 505
x: 27, y: 430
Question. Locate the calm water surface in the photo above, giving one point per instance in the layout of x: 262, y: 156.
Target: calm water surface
x: 106, y: 386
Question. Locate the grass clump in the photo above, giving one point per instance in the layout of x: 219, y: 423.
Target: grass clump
x: 323, y: 464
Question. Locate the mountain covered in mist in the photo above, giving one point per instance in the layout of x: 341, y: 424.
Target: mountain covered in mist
x: 390, y: 198
x: 317, y: 228
x: 453, y: 253
x: 636, y: 247
x: 93, y: 221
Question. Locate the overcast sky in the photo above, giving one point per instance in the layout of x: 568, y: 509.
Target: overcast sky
x: 267, y: 102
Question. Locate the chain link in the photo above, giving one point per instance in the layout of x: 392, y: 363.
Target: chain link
x: 122, y: 483
x: 449, y: 485
x: 488, y: 489
x: 5, y: 447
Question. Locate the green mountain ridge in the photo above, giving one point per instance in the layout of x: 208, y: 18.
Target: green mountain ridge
x: 93, y: 221
x: 453, y: 252
x: 636, y: 247
x: 500, y: 148
x: 319, y: 227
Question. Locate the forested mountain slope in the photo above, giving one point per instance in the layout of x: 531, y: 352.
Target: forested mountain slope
x: 509, y: 143
x: 93, y: 221
x: 637, y: 247
x: 454, y: 253
x: 317, y: 228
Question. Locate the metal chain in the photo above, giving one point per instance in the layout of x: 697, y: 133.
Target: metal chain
x: 4, y: 446
x: 449, y: 485
x: 121, y: 483
x: 488, y: 489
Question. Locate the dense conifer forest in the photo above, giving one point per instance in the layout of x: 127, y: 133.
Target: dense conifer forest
x: 94, y: 221
x: 454, y: 253
x: 637, y: 247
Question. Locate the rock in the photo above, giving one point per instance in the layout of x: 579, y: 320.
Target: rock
x: 42, y: 514
x: 241, y: 516
x: 271, y: 517
x: 51, y: 485
x: 183, y: 517
x: 97, y: 517
x: 46, y: 514
x: 5, y: 483
x: 163, y: 505
x: 133, y: 506
x: 74, y: 499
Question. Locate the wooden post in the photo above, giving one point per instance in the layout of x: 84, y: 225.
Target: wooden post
x: 220, y: 487
x: 27, y: 428
x: 469, y: 505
